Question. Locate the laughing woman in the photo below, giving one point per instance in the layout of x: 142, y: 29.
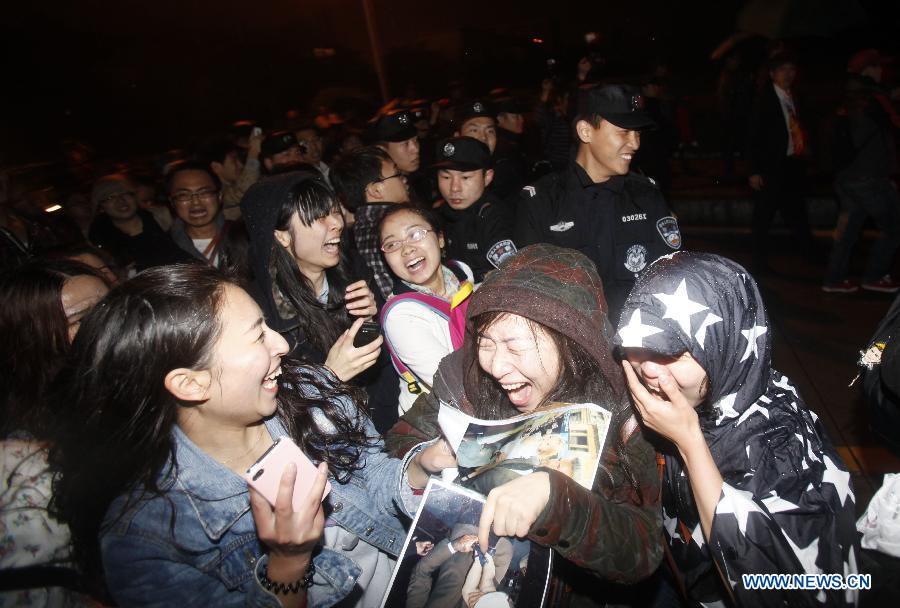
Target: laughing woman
x: 174, y: 387
x: 415, y: 318
x: 537, y: 334
x: 752, y: 484
x: 303, y: 283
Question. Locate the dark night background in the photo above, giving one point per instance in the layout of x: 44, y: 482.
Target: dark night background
x: 134, y: 76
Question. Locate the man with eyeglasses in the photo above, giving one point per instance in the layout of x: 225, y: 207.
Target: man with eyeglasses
x: 200, y: 227
x: 367, y: 182
x: 476, y: 230
x: 129, y: 233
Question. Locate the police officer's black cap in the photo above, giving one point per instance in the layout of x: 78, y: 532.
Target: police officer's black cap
x: 619, y: 104
x: 462, y: 154
x: 474, y: 108
x: 393, y: 127
x: 277, y: 142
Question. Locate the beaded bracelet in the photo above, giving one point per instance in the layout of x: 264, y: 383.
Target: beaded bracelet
x: 286, y: 588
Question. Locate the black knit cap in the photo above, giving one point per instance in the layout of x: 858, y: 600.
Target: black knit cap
x: 462, y: 154
x: 619, y: 104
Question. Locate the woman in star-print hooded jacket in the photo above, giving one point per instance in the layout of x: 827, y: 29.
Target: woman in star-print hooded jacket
x: 750, y: 481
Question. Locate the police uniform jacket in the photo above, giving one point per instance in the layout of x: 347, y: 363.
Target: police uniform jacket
x: 622, y: 224
x: 480, y: 236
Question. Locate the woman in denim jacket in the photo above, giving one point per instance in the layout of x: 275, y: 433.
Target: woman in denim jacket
x: 173, y: 392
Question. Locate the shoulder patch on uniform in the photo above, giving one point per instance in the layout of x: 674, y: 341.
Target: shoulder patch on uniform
x: 640, y: 178
x: 668, y: 230
x: 530, y: 190
x: 500, y: 251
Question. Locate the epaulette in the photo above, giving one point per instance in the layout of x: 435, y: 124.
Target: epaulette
x: 640, y: 178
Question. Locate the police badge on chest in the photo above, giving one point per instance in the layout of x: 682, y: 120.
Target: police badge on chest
x: 636, y: 258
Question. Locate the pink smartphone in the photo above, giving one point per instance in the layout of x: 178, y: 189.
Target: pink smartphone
x: 264, y: 475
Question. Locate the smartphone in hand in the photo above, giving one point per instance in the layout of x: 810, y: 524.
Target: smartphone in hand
x: 264, y: 475
x: 366, y: 334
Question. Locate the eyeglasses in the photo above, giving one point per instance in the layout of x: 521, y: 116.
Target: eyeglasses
x: 183, y: 198
x: 118, y: 196
x: 384, y: 179
x: 414, y: 237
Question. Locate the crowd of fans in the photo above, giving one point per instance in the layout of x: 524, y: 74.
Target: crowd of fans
x: 336, y: 282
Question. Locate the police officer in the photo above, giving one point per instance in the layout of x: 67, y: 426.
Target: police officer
x: 595, y: 205
x: 478, y: 118
x: 475, y: 118
x: 476, y: 231
x: 395, y: 133
x: 511, y: 170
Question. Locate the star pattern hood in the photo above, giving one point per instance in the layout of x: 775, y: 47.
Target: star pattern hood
x: 786, y: 504
x: 710, y: 307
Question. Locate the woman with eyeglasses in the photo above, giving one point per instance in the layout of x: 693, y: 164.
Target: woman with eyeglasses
x: 129, y: 233
x: 417, y: 319
x: 309, y: 288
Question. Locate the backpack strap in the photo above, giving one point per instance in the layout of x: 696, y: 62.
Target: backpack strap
x: 433, y: 303
x: 453, y: 312
x: 459, y: 303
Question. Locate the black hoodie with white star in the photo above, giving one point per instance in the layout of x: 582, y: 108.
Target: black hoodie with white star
x: 786, y: 505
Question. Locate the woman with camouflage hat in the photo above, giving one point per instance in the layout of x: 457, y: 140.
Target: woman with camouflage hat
x: 537, y: 333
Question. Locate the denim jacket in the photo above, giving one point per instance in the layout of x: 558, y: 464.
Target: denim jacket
x: 214, y: 555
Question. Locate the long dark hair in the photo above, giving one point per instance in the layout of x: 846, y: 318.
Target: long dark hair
x: 580, y: 380
x: 321, y: 324
x: 116, y: 436
x: 35, y: 341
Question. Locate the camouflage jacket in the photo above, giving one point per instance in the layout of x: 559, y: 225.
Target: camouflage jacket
x: 613, y: 532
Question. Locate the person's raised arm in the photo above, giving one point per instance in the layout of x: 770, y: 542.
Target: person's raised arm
x: 678, y: 422
x: 291, y: 536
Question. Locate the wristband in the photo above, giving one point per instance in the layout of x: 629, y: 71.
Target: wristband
x: 286, y: 588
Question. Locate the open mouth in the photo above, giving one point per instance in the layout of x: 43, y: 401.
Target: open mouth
x: 416, y: 264
x: 270, y: 382
x: 332, y: 245
x: 519, y: 393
